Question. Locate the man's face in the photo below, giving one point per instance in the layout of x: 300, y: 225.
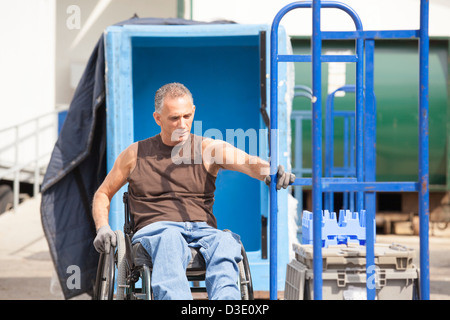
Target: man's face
x: 175, y: 119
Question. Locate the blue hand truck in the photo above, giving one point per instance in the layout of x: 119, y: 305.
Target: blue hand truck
x: 363, y: 183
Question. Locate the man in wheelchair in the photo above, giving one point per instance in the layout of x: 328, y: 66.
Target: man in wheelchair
x: 171, y: 179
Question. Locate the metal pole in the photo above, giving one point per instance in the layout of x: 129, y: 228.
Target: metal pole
x: 273, y: 159
x: 316, y: 47
x: 423, y: 153
x: 36, y: 155
x: 329, y: 148
x: 16, y: 184
x: 360, y: 121
x: 369, y: 166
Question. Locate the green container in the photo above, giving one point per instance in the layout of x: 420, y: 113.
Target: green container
x: 397, y: 91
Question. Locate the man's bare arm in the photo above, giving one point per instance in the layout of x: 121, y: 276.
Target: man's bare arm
x: 219, y: 154
x: 222, y: 155
x: 115, y: 179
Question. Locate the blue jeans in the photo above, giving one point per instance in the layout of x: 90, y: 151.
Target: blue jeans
x: 168, y: 245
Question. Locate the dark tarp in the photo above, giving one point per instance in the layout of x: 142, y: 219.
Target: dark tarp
x: 76, y: 169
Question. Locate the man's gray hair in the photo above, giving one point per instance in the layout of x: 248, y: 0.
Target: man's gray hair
x: 172, y: 90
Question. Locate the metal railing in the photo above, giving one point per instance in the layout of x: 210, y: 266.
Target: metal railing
x: 23, y: 155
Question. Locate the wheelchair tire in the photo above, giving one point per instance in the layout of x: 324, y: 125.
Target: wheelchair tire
x: 121, y: 265
x: 106, y: 272
x: 98, y: 277
x: 245, y: 277
x: 104, y: 282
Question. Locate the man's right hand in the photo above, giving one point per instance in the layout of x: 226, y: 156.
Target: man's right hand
x: 104, y: 239
x: 284, y: 179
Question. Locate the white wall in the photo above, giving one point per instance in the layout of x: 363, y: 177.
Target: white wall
x: 27, y: 31
x: 45, y: 47
x: 27, y: 80
x: 375, y: 14
x: 74, y: 43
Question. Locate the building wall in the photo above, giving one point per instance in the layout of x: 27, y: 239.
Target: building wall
x: 26, y: 59
x: 375, y: 14
x: 27, y: 82
x: 45, y: 47
x: 75, y: 42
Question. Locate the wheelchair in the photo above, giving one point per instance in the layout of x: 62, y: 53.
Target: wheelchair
x: 127, y: 269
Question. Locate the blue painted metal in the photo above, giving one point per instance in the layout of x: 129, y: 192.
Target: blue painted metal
x: 423, y: 152
x: 325, y: 58
x: 360, y: 34
x: 359, y: 117
x: 316, y: 50
x: 370, y: 167
x: 370, y: 186
x: 365, y: 183
x: 61, y: 118
x: 273, y: 159
x: 348, y: 169
x: 118, y: 133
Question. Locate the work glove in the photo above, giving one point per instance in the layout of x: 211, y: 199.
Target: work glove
x: 283, y: 178
x: 104, y: 239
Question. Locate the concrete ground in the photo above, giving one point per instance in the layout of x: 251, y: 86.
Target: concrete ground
x: 26, y: 268
x: 439, y: 247
x: 27, y: 272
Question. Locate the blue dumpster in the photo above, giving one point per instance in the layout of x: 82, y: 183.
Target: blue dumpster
x: 221, y: 65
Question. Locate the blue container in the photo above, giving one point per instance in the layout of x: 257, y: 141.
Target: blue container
x: 220, y: 64
x: 349, y: 228
x: 61, y: 118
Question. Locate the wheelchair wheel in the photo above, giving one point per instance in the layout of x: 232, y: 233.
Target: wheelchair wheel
x: 121, y: 265
x: 106, y: 271
x: 245, y: 277
x: 104, y: 281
